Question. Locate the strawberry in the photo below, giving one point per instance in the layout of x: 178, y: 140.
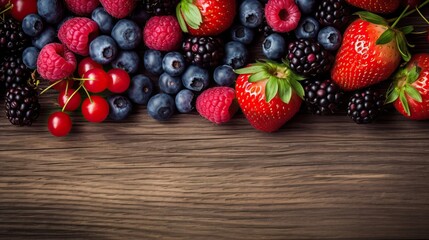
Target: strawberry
x: 376, y: 6
x: 409, y: 92
x: 205, y: 17
x: 269, y: 94
x: 370, y: 52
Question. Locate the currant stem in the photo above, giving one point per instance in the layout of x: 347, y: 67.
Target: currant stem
x: 50, y: 86
x: 421, y: 15
x: 71, y: 96
x: 400, y: 17
x: 411, y: 11
x: 86, y: 91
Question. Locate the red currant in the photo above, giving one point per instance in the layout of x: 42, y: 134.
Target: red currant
x: 119, y: 80
x: 74, y: 101
x: 62, y: 85
x: 59, y: 124
x: 21, y: 8
x: 96, y: 110
x: 87, y: 64
x: 95, y: 80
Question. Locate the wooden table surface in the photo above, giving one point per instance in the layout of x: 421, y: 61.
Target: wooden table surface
x: 319, y: 177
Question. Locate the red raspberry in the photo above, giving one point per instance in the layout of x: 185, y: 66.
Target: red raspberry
x: 55, y: 62
x: 77, y: 33
x: 162, y: 33
x: 118, y: 8
x: 282, y: 15
x: 217, y: 104
x: 82, y: 7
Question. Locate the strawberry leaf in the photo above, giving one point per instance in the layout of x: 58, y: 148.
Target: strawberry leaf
x: 189, y: 14
x: 297, y: 87
x: 404, y: 102
x: 271, y: 88
x: 254, y: 68
x: 372, y: 18
x: 262, y: 75
x: 413, y: 93
x: 406, y: 30
x: 413, y: 74
x: 401, y: 42
x: 180, y: 19
x: 285, y: 91
x: 386, y: 37
x: 392, y: 95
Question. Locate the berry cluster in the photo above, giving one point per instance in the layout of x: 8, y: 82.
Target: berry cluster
x: 106, y: 57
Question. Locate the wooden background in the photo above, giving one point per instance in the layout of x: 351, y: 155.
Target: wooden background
x: 319, y: 177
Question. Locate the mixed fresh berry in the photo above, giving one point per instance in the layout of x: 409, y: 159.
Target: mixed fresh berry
x: 107, y: 57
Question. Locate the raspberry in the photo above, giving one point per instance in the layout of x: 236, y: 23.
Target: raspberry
x: 282, y: 15
x: 82, y: 7
x: 162, y: 33
x: 55, y: 62
x: 76, y: 33
x: 118, y: 8
x: 217, y: 104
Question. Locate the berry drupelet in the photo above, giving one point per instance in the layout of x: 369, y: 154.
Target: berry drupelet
x: 334, y: 13
x: 323, y: 97
x: 12, y: 38
x: 13, y: 71
x: 365, y: 106
x: 22, y: 105
x: 206, y: 52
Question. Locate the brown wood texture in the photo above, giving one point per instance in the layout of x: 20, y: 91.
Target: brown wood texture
x: 317, y: 178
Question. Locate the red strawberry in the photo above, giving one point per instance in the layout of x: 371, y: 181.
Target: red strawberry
x: 369, y: 53
x: 282, y: 15
x: 55, y: 62
x: 410, y: 89
x: 269, y: 94
x: 205, y: 17
x: 217, y: 104
x: 76, y: 33
x: 377, y: 6
x: 119, y: 8
x: 82, y: 7
x: 162, y: 33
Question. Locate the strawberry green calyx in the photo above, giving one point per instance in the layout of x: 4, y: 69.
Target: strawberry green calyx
x: 281, y: 80
x: 188, y: 14
x: 402, y: 87
x: 392, y: 33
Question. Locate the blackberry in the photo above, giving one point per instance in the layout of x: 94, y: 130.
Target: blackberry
x: 12, y: 38
x: 323, y: 97
x: 365, y: 106
x: 206, y: 52
x: 307, y: 57
x: 160, y: 7
x: 265, y: 29
x: 13, y: 71
x: 334, y: 13
x: 22, y: 105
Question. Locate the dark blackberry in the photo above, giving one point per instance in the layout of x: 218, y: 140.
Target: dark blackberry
x: 323, y: 97
x: 12, y: 38
x: 206, y: 52
x: 265, y: 29
x: 334, y: 13
x: 13, y: 71
x: 160, y: 7
x: 365, y: 106
x: 22, y: 105
x: 307, y: 57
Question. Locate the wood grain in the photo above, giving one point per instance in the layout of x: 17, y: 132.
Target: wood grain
x: 317, y: 178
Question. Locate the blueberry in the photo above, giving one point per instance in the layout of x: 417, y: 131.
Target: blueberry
x: 242, y: 34
x: 307, y: 6
x: 330, y: 38
x: 32, y: 25
x: 103, y: 49
x: 47, y: 36
x: 161, y: 107
x: 120, y: 107
x: 153, y: 61
x: 224, y: 75
x: 251, y: 13
x: 29, y: 57
x: 185, y: 101
x: 127, y: 34
x: 140, y: 89
x: 169, y: 84
x: 274, y: 46
x: 174, y: 64
x: 236, y: 54
x: 127, y: 60
x: 103, y: 20
x: 52, y: 11
x: 196, y: 78
x: 308, y: 27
